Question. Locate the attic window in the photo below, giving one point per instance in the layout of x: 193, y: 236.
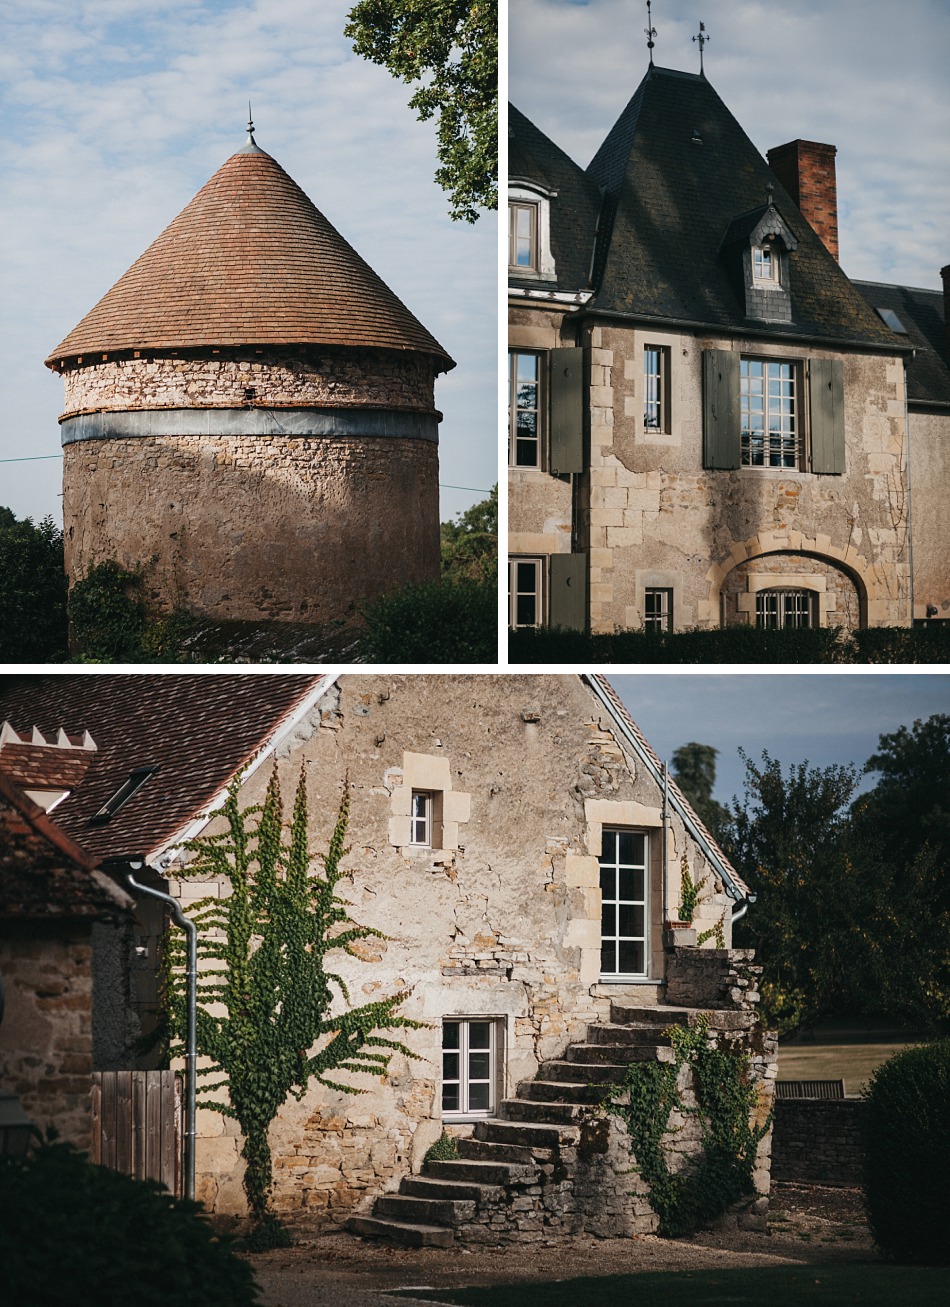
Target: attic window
x: 523, y: 236
x: 136, y: 779
x: 765, y: 265
x: 890, y: 319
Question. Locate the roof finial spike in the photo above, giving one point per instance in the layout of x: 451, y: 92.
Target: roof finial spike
x: 650, y: 32
x: 250, y: 126
x: 702, y: 38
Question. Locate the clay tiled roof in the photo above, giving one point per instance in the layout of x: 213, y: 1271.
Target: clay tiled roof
x: 250, y: 261
x: 43, y: 766
x: 198, y: 730
x: 43, y: 874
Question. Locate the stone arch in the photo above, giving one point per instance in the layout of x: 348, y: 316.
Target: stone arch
x: 786, y: 558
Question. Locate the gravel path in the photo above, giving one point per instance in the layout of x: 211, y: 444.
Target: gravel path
x: 809, y: 1225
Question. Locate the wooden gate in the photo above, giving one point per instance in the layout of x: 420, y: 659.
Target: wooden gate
x: 136, y: 1124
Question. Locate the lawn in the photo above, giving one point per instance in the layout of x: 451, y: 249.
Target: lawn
x: 842, y: 1050
x: 867, y: 1284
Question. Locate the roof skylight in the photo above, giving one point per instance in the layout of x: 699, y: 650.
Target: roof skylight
x: 890, y: 319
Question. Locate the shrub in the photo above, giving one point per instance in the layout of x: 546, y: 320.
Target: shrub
x: 445, y: 1149
x: 433, y: 623
x: 32, y: 591
x: 906, y: 1131
x: 73, y: 1234
x: 112, y: 621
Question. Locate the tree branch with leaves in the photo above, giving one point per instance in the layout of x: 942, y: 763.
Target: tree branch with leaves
x: 451, y: 48
x: 272, y: 1016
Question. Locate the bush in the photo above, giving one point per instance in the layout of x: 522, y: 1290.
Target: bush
x: 32, y: 591
x: 433, y: 623
x: 906, y: 1131
x: 73, y: 1234
x: 112, y: 621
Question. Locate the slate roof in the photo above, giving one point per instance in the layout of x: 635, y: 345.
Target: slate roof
x: 922, y: 313
x: 200, y: 730
x: 44, y: 875
x: 669, y: 203
x: 250, y: 261
x: 532, y: 156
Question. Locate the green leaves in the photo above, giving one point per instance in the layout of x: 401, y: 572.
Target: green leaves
x: 276, y: 1023
x: 451, y: 48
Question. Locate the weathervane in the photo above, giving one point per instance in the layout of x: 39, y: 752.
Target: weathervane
x: 702, y: 38
x: 650, y: 31
x: 250, y: 126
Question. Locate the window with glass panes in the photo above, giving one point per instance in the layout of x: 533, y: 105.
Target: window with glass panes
x: 420, y: 818
x: 780, y: 607
x: 525, y: 606
x: 524, y: 412
x: 653, y: 414
x: 523, y: 235
x: 658, y: 609
x: 769, y: 425
x: 623, y: 895
x: 469, y: 1066
x: 764, y: 263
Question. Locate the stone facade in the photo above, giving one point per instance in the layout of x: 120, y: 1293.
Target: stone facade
x: 211, y: 509
x: 818, y: 1141
x: 498, y: 921
x: 46, y: 1038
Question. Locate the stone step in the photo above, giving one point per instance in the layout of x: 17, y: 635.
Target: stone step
x: 483, y: 1150
x: 632, y: 1037
x: 427, y: 1186
x: 619, y: 1054
x: 526, y: 1110
x: 402, y: 1232
x: 560, y: 1091
x: 591, y: 1072
x: 424, y: 1211
x: 527, y: 1134
x: 502, y: 1173
x: 623, y: 1015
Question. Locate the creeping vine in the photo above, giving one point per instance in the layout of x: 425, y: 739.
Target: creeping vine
x: 688, y: 1199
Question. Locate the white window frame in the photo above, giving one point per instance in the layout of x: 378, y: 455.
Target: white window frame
x: 766, y: 266
x: 421, y: 818
x: 522, y: 195
x: 790, y: 602
x: 530, y: 209
x: 539, y: 565
x: 662, y: 618
x: 656, y: 389
x: 611, y: 868
x: 464, y: 1078
x: 767, y: 394
x: 516, y: 408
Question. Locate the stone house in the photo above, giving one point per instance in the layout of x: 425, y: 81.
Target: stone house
x: 517, y: 842
x: 250, y: 414
x: 52, y: 899
x: 710, y: 423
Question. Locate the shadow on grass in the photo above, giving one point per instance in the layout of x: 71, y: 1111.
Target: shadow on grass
x: 870, y: 1284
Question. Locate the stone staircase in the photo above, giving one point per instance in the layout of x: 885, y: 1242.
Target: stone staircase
x: 549, y: 1164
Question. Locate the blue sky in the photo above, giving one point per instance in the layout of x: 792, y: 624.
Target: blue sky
x: 116, y: 112
x: 868, y: 76
x: 819, y: 717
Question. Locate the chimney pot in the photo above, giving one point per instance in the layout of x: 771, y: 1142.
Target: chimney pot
x: 807, y: 171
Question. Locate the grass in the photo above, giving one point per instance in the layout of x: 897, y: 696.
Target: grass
x: 867, y: 1284
x: 843, y: 1050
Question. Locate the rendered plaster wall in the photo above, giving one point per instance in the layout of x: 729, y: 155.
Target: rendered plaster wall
x: 251, y: 527
x: 656, y: 518
x: 505, y: 924
x: 46, y: 1036
x: 930, y: 491
x: 539, y: 504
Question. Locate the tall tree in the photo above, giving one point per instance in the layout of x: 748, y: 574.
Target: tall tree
x: 272, y: 1016
x: 694, y: 769
x: 470, y: 542
x: 32, y: 591
x: 451, y: 48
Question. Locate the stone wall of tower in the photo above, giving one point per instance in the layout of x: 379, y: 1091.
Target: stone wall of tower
x: 255, y: 521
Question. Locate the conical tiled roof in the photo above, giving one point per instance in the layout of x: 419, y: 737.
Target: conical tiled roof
x: 250, y: 261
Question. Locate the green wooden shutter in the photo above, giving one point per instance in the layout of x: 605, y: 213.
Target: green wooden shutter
x: 826, y: 409
x: 720, y: 409
x: 568, y: 606
x: 567, y: 409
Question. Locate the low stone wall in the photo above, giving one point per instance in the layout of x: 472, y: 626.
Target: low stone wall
x: 817, y: 1141
x: 712, y: 978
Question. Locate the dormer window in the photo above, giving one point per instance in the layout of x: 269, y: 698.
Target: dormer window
x: 523, y: 236
x: 756, y: 249
x: 529, y: 231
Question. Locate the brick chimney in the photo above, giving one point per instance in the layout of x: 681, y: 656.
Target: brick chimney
x: 807, y: 171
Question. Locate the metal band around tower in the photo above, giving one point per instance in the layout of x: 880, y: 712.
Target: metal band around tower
x: 368, y: 423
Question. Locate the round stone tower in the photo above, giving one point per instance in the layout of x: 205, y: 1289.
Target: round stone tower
x: 250, y: 412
